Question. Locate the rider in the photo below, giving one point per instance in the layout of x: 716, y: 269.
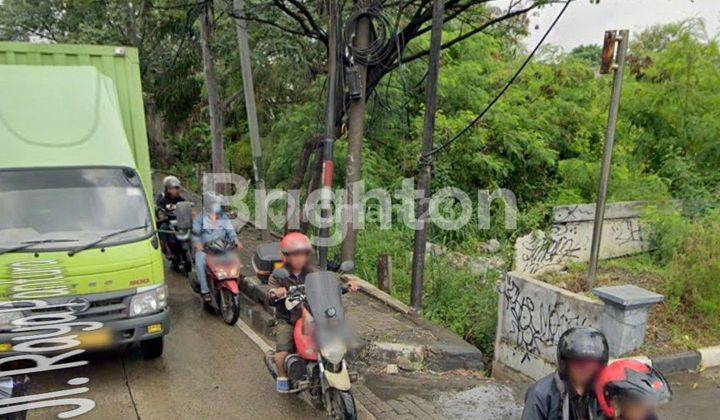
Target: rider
x: 212, y: 224
x: 631, y: 390
x: 165, y: 204
x: 296, y: 249
x: 568, y: 393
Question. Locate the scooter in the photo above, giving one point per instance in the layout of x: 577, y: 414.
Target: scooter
x: 223, y: 270
x: 318, y: 370
x: 178, y: 240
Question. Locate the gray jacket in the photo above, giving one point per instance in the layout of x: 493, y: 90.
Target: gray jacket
x: 549, y: 399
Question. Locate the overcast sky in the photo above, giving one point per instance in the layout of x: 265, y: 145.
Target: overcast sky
x: 585, y: 23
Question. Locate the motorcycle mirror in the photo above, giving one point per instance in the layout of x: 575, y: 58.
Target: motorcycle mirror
x: 347, y: 266
x: 281, y: 273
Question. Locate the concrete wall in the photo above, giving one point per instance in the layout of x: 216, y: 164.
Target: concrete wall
x: 570, y: 237
x: 531, y: 317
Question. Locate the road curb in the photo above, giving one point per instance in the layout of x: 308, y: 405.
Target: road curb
x: 689, y: 361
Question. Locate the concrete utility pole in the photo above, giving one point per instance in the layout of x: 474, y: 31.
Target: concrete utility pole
x: 329, y: 140
x: 621, y: 41
x: 214, y: 104
x: 425, y: 175
x: 249, y: 91
x: 356, y: 131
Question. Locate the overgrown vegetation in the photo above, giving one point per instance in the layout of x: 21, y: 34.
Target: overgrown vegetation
x: 543, y: 141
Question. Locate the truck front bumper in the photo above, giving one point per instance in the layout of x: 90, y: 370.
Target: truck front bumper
x: 114, y: 333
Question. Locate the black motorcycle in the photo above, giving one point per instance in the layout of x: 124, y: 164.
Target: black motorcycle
x: 177, y: 235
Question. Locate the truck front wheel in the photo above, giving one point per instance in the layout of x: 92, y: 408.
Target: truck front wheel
x: 152, y: 348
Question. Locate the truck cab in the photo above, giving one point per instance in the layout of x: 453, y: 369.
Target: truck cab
x: 76, y: 220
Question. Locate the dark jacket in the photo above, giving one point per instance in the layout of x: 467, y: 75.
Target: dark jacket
x: 549, y: 399
x: 281, y: 311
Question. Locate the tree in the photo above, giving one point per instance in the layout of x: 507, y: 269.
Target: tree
x: 214, y: 103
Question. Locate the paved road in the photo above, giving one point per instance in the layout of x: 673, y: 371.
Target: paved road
x: 209, y: 370
x: 696, y: 396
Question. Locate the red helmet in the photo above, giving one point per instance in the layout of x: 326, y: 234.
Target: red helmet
x: 295, y: 242
x: 632, y: 380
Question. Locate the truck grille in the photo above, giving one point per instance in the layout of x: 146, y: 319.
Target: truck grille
x: 103, y: 307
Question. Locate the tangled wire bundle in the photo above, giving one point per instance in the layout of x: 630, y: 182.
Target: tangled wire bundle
x: 381, y: 32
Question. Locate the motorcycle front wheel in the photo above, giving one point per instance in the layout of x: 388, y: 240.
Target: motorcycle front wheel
x: 342, y: 404
x: 229, y: 306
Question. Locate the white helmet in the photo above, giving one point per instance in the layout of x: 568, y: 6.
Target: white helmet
x: 171, y: 182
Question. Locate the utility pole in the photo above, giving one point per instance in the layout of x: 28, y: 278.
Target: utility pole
x: 356, y: 131
x: 249, y: 91
x: 329, y: 139
x: 426, y: 161
x: 214, y: 104
x: 612, y: 41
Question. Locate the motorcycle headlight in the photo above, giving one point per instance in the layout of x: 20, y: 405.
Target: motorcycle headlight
x: 149, y: 301
x: 7, y: 318
x: 230, y: 273
x: 334, y: 351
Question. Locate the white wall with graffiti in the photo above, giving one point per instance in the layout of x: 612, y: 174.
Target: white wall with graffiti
x: 570, y: 237
x: 531, y: 317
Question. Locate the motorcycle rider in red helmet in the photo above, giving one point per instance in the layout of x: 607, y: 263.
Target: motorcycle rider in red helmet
x: 295, y: 249
x: 631, y: 390
x: 568, y: 394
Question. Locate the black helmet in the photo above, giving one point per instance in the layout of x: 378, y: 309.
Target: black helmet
x: 581, y: 343
x: 630, y: 380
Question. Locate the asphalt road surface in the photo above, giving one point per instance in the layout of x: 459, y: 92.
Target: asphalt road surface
x: 209, y: 371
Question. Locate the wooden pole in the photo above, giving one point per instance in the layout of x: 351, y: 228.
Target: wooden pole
x: 356, y: 131
x: 425, y: 173
x: 384, y: 273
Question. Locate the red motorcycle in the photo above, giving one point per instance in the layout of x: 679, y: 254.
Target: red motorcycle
x: 223, y: 270
x: 318, y: 371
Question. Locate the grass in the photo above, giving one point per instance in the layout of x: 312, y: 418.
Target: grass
x: 454, y: 297
x: 674, y: 325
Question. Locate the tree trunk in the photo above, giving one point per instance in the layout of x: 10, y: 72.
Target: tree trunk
x: 356, y: 131
x: 214, y: 103
x: 297, y: 180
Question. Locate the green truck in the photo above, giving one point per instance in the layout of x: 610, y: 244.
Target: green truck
x: 76, y: 212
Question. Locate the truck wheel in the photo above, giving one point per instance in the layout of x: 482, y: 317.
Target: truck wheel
x: 152, y: 348
x: 343, y: 405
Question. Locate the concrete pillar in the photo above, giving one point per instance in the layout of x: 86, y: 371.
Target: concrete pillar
x: 625, y: 316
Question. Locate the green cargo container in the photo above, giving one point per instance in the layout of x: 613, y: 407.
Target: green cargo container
x: 76, y: 224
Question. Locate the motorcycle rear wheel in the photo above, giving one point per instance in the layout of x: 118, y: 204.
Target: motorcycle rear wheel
x: 343, y: 405
x: 229, y: 307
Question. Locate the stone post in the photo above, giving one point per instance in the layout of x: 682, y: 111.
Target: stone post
x: 625, y: 316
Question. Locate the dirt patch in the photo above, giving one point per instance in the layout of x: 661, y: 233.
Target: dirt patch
x: 669, y: 331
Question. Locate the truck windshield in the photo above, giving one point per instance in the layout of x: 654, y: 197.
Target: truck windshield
x: 78, y: 205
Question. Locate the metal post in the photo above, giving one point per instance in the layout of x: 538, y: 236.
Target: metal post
x: 425, y: 174
x: 249, y: 91
x: 329, y: 139
x: 623, y: 40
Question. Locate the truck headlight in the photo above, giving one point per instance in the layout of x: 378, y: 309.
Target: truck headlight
x: 149, y: 302
x: 334, y: 351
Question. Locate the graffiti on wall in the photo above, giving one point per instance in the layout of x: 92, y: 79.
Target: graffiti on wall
x: 570, y: 236
x: 533, y: 323
x: 539, y: 252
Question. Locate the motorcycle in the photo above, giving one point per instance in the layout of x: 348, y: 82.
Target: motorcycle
x: 178, y: 237
x: 223, y: 270
x: 318, y: 370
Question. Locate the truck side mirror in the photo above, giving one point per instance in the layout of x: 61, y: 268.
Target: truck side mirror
x: 281, y: 273
x: 183, y: 215
x: 347, y: 267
